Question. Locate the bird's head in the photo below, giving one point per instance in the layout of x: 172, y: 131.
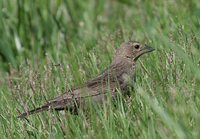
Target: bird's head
x: 132, y: 50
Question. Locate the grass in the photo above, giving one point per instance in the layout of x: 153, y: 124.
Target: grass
x: 48, y: 46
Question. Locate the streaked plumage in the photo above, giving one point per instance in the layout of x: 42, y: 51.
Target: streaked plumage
x: 117, y: 75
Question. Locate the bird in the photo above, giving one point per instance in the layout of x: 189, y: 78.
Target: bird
x: 117, y: 76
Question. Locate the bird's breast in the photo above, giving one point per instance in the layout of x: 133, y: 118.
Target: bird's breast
x: 128, y: 76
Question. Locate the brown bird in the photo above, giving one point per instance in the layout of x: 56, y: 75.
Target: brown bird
x: 117, y: 76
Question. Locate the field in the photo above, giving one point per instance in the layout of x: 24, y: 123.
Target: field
x: 49, y: 46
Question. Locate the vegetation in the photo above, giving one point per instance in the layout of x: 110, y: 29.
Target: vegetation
x: 48, y: 46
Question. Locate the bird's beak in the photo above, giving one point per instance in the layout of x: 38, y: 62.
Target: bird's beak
x: 145, y: 49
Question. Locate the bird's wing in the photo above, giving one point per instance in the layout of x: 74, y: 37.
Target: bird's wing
x: 111, y: 74
x: 72, y: 100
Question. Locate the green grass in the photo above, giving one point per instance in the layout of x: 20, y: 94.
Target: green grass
x: 47, y: 47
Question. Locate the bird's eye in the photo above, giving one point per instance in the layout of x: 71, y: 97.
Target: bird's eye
x: 137, y: 46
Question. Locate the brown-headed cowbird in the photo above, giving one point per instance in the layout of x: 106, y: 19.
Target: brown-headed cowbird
x: 117, y: 76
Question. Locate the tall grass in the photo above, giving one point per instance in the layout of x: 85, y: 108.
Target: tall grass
x: 47, y: 47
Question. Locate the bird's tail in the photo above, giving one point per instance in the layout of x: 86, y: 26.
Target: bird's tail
x: 36, y: 110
